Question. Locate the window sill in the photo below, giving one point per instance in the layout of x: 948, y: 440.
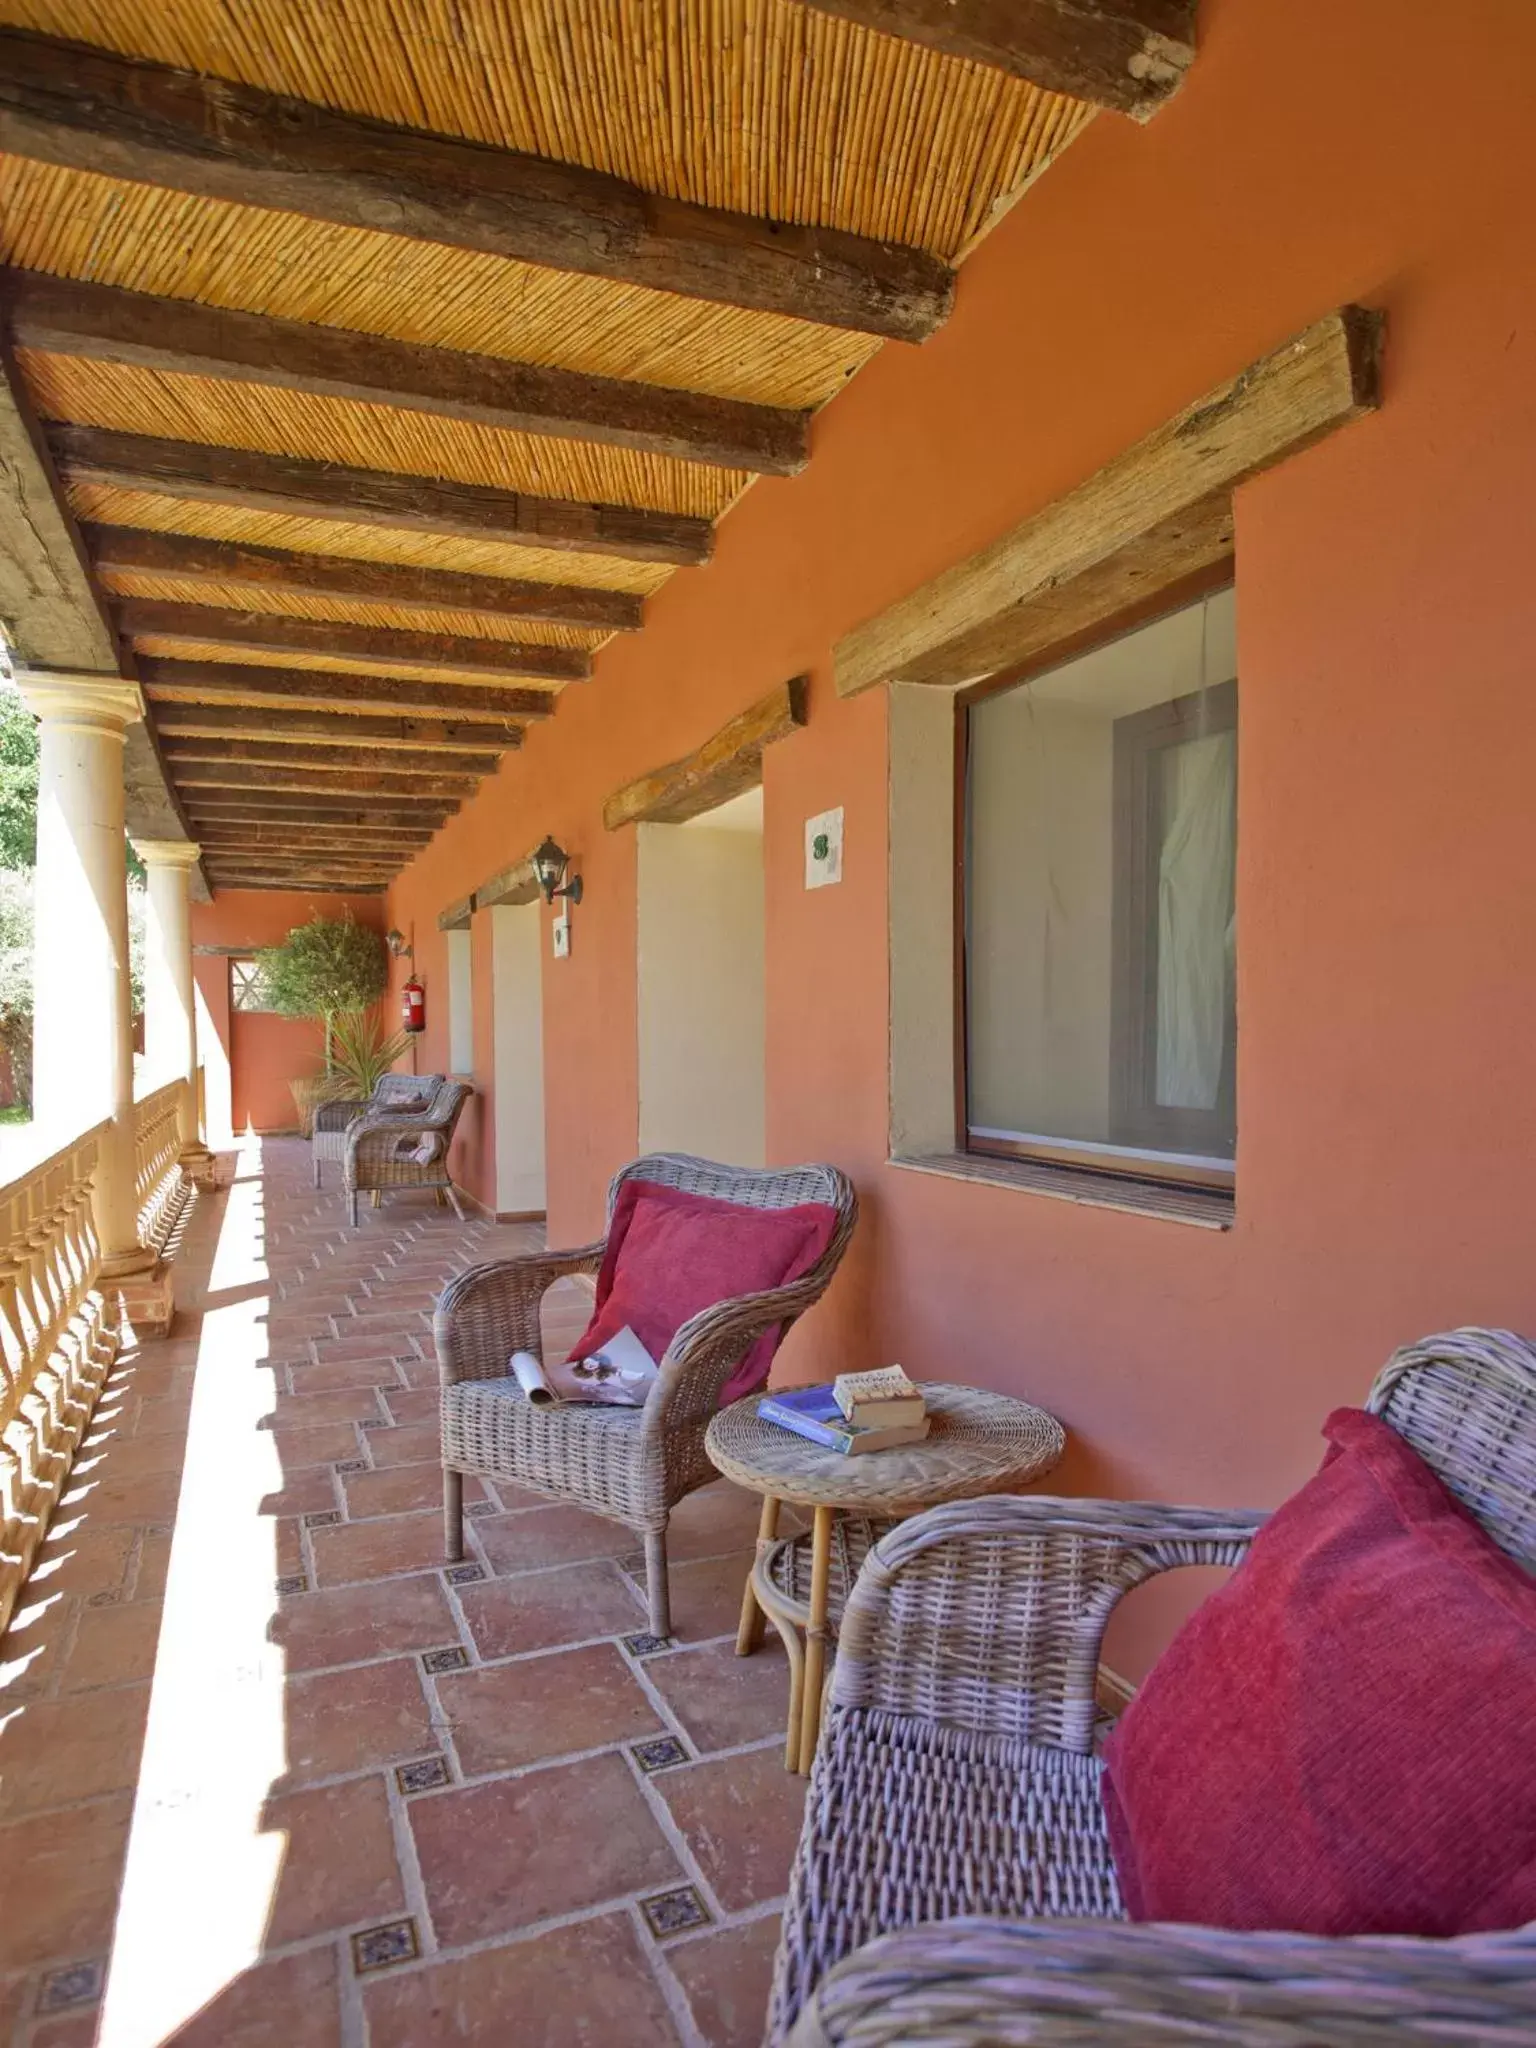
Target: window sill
x: 1204, y: 1208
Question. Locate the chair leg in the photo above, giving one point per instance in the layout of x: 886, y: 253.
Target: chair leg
x: 657, y: 1590
x: 453, y: 1515
x: 352, y: 1207
x: 378, y: 1198
x: 314, y: 1167
x: 453, y: 1196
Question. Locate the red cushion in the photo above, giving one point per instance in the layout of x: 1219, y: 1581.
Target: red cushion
x: 1339, y: 1740
x: 671, y: 1254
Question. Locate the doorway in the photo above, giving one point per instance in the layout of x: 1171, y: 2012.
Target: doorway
x: 701, y: 984
x: 518, y: 1053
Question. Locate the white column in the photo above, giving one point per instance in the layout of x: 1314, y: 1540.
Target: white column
x: 82, y: 1061
x: 170, y: 1003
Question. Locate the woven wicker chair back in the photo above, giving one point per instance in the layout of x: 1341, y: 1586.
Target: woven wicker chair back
x: 395, y: 1090
x: 752, y: 1187
x: 1466, y: 1401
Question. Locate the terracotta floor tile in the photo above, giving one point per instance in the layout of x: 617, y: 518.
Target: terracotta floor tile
x: 400, y: 1489
x: 339, y: 1867
x: 714, y: 1520
x: 153, y: 1565
x: 726, y: 1978
x: 365, y: 1349
x: 76, y: 2030
x: 127, y: 1457
x: 342, y: 1721
x: 321, y: 1444
x: 105, y: 1498
x: 161, y: 1414
x: 113, y: 1645
x: 539, y: 1610
x: 59, y: 1875
x: 308, y: 1491
x: 81, y: 1558
x: 722, y: 1699
x: 338, y: 1404
x: 706, y: 1596
x: 344, y: 1373
x: 511, y: 1714
x: 501, y: 1855
x: 741, y: 1817
x: 410, y: 1442
x: 351, y: 1624
x: 56, y: 1751
x: 588, y: 1986
x: 376, y: 1550
x: 289, y: 2003
x: 552, y: 1535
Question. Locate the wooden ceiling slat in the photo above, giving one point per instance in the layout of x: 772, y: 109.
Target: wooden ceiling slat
x: 319, y: 781
x: 85, y: 109
x: 273, y: 633
x: 195, y: 761
x: 1129, y: 55
x: 274, y: 807
x: 126, y: 549
x: 177, y: 724
x: 66, y: 316
x: 235, y: 683
x: 326, y: 490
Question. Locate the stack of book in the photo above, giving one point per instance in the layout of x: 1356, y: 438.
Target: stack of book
x: 858, y: 1411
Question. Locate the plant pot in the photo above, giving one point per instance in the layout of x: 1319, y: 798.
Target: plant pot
x: 308, y: 1094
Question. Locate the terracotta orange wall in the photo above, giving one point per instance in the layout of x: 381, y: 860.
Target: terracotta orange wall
x: 1387, y: 1086
x: 260, y: 1053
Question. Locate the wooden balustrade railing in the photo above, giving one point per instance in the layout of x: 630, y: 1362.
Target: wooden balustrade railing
x: 159, y: 1191
x: 58, y: 1338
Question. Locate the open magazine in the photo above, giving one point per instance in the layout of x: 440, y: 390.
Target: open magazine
x: 619, y: 1375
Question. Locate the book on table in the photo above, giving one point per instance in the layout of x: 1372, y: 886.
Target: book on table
x: 813, y: 1412
x: 884, y: 1399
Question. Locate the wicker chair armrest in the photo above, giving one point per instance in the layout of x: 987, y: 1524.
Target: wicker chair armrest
x: 1068, y: 1983
x: 373, y: 1139
x: 337, y: 1114
x: 709, y: 1347
x: 485, y: 1314
x: 989, y: 1614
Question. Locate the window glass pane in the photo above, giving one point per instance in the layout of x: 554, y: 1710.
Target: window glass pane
x: 1100, y: 862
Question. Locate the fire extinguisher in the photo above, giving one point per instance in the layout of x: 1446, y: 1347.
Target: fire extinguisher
x: 413, y: 1006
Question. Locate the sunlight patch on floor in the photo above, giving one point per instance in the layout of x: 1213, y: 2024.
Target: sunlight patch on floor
x: 201, y: 1872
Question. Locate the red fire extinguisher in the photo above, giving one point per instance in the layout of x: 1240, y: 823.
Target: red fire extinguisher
x: 413, y: 1006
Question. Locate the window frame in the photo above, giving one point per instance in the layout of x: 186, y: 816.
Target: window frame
x: 237, y: 961
x: 1140, y: 1164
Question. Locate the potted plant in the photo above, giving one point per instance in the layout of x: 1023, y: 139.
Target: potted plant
x: 361, y: 1053
x: 328, y: 968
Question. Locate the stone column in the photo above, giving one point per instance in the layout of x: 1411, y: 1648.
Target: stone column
x: 170, y: 1002
x: 82, y: 1062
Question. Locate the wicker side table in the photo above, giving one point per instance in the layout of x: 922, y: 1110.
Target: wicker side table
x: 978, y: 1443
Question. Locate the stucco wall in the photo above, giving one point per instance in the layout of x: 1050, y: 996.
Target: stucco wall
x: 1387, y: 1094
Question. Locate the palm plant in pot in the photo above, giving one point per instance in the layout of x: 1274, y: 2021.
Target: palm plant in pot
x: 329, y: 968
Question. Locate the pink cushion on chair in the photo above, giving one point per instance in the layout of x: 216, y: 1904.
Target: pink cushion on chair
x: 1339, y: 1741
x: 671, y: 1254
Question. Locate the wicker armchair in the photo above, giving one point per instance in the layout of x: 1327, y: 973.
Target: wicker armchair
x: 394, y: 1095
x: 404, y: 1149
x: 632, y: 1464
x: 955, y: 1777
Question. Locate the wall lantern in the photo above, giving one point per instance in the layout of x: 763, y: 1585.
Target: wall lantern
x: 551, y: 864
x: 400, y: 947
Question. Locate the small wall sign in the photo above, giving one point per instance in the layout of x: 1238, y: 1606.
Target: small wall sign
x: 560, y: 932
x: 824, y: 849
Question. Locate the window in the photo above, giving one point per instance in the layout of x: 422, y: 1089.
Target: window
x: 1099, y: 855
x: 245, y: 990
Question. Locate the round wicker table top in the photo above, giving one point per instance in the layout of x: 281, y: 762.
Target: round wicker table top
x: 977, y: 1443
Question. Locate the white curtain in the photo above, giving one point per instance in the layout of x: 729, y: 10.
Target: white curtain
x: 1195, y: 918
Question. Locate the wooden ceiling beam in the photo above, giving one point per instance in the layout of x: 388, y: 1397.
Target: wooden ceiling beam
x: 275, y: 633
x: 63, y: 316
x: 729, y: 762
x: 1128, y: 55
x: 235, y: 682
x: 209, y: 761
x: 273, y: 807
x: 291, y: 484
x: 178, y: 722
x: 242, y: 775
x: 218, y: 844
x: 297, y: 885
x: 131, y: 550
x: 90, y: 110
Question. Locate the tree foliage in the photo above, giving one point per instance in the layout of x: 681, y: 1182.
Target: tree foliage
x: 18, y: 779
x: 325, y: 967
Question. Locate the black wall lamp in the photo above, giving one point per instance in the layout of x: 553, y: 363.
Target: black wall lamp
x: 551, y: 865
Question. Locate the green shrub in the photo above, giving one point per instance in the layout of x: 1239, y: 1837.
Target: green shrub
x: 323, y: 968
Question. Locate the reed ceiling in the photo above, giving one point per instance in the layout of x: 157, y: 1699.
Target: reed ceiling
x: 224, y: 496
